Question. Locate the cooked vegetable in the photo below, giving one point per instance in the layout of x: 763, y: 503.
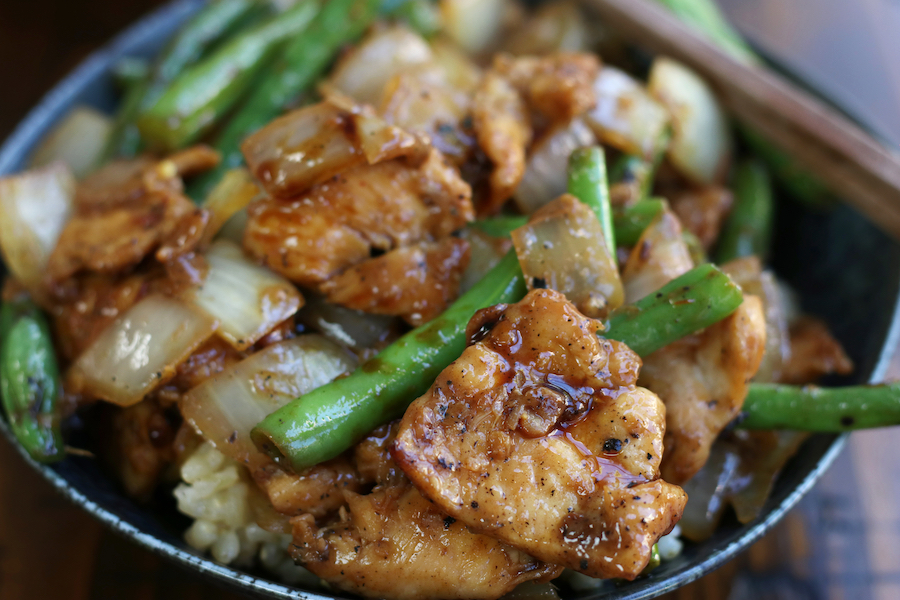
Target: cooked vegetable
x: 811, y: 408
x: 34, y: 208
x: 588, y: 183
x: 500, y: 226
x: 352, y: 328
x: 77, y: 141
x: 563, y: 248
x: 140, y: 350
x: 707, y: 17
x: 631, y: 179
x: 659, y: 256
x: 302, y: 61
x: 247, y: 300
x: 701, y: 138
x: 197, y: 99
x: 631, y: 222
x: 227, y: 406
x: 334, y: 417
x: 473, y: 24
x: 686, y: 304
x: 29, y: 380
x: 208, y: 26
x: 331, y: 419
x: 231, y: 195
x: 748, y: 229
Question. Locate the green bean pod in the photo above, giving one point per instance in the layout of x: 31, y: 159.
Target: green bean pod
x: 501, y: 226
x: 200, y: 96
x: 211, y: 23
x: 330, y: 419
x: 587, y: 181
x: 29, y: 380
x: 748, y: 228
x: 699, y: 298
x: 631, y: 222
x: 302, y: 62
x: 827, y: 410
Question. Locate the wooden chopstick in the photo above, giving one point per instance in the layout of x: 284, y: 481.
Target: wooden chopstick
x: 854, y: 165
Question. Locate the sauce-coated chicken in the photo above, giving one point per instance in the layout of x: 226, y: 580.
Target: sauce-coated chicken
x: 703, y: 381
x: 539, y: 437
x: 336, y: 224
x: 394, y: 542
x: 414, y: 282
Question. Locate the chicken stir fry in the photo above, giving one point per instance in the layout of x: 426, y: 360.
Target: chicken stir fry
x: 433, y: 312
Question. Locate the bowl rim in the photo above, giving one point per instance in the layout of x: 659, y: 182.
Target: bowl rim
x: 56, y: 102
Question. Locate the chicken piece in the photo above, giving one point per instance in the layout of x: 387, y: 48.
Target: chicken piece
x: 538, y: 436
x: 702, y: 212
x: 137, y: 443
x: 115, y: 227
x: 660, y: 256
x: 503, y: 130
x: 318, y: 491
x: 703, y: 380
x: 393, y: 542
x: 92, y: 303
x: 415, y: 282
x: 336, y: 224
x: 814, y: 353
x: 560, y: 86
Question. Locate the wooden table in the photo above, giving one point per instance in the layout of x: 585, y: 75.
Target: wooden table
x: 843, y: 541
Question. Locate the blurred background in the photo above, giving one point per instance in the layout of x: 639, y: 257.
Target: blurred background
x: 843, y: 541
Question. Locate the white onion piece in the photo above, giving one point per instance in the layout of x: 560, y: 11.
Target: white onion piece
x: 701, y: 138
x: 660, y: 256
x: 227, y: 406
x: 626, y: 117
x: 231, y: 195
x: 545, y: 174
x: 34, y: 208
x: 140, y: 350
x: 486, y: 251
x: 352, y: 328
x: 302, y: 148
x: 363, y: 73
x: 233, y: 229
x: 556, y: 26
x: 248, y: 300
x: 459, y: 72
x: 706, y: 495
x: 78, y: 140
x: 562, y: 247
x: 474, y: 24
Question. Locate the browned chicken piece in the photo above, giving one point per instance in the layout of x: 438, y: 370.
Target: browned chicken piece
x: 560, y: 86
x: 503, y: 129
x: 336, y: 224
x: 415, y: 282
x: 116, y: 226
x: 394, y: 543
x: 137, y: 444
x: 90, y: 304
x: 318, y: 491
x: 814, y: 353
x: 703, y: 380
x: 702, y: 212
x: 538, y: 436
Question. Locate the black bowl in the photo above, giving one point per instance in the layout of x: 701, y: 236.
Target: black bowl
x: 845, y: 270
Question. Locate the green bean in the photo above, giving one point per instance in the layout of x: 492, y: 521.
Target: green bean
x: 500, y: 226
x: 634, y: 172
x: 706, y: 16
x: 209, y: 25
x: 200, y: 96
x: 796, y: 180
x: 699, y: 298
x: 29, y: 380
x: 748, y: 228
x: 631, y: 222
x: 655, y: 560
x: 332, y: 418
x: 587, y: 182
x: 301, y: 63
x: 422, y: 16
x: 811, y: 408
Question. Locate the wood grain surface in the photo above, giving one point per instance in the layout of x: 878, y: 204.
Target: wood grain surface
x: 843, y: 541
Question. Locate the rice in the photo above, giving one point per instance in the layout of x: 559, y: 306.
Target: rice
x: 215, y: 492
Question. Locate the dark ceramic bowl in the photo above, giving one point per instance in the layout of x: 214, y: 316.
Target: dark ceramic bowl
x: 846, y: 271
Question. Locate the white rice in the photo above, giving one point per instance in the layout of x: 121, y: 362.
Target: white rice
x: 216, y: 493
